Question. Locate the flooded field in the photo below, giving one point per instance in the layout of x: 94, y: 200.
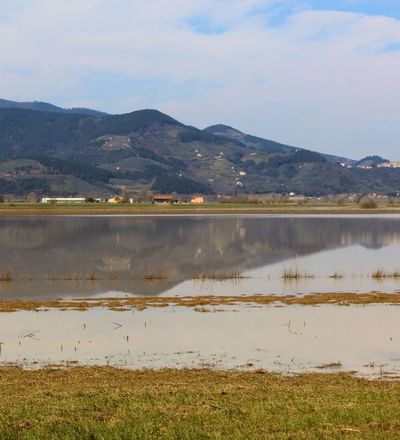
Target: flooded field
x: 57, y: 257
x: 203, y: 293
x: 293, y: 339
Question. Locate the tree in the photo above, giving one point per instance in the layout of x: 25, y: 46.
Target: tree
x: 125, y: 195
x: 144, y: 195
x: 32, y: 197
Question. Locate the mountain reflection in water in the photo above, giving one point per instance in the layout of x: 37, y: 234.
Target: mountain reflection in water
x: 99, y: 254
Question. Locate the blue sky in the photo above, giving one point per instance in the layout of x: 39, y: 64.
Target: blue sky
x: 320, y: 74
x: 390, y: 8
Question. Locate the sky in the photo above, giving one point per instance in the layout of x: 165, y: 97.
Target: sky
x: 320, y: 74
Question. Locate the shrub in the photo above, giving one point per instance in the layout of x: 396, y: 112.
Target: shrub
x: 368, y: 203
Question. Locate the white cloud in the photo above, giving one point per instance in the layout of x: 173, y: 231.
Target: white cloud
x: 320, y: 79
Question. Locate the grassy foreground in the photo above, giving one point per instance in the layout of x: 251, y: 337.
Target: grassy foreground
x: 106, y: 403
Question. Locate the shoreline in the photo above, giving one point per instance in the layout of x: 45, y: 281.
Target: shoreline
x: 176, y: 210
x: 200, y: 303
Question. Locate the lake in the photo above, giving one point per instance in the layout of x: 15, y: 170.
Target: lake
x: 57, y: 257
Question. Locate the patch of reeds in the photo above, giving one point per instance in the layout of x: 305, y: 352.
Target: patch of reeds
x: 293, y: 273
x: 381, y: 274
x: 337, y: 276
x: 6, y: 276
x: 218, y: 276
x: 154, y: 276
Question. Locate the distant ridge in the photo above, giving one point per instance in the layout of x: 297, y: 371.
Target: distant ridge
x: 46, y: 107
x: 265, y: 145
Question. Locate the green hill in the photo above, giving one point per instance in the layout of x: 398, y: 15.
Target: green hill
x: 70, y: 153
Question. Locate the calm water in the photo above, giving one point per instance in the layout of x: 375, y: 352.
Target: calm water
x: 283, y: 339
x: 81, y: 256
x: 107, y: 256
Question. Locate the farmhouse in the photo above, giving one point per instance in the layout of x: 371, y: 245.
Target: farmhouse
x: 116, y: 199
x: 163, y: 198
x: 197, y: 200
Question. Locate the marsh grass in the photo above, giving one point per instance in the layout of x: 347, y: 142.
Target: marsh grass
x: 293, y: 273
x: 381, y: 274
x: 6, y: 276
x: 106, y: 403
x: 337, y: 276
x: 218, y: 276
x: 154, y: 276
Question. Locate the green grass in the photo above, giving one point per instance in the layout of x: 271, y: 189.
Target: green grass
x: 210, y: 208
x: 106, y: 403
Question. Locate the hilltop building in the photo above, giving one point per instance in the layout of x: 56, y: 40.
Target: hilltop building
x: 389, y: 165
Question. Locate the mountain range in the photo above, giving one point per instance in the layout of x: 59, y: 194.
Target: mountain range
x: 48, y: 150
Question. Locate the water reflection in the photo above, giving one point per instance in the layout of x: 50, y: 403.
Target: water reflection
x: 80, y: 255
x: 283, y: 339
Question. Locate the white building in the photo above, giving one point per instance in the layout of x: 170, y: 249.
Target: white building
x: 63, y: 200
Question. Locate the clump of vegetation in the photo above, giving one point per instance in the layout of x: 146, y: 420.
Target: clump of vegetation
x: 330, y: 366
x: 242, y: 200
x: 218, y: 276
x: 303, y: 201
x: 381, y: 273
x: 72, y: 277
x: 91, y: 277
x: 341, y: 201
x: 337, y: 276
x: 154, y: 276
x: 368, y: 203
x: 293, y: 273
x: 6, y: 276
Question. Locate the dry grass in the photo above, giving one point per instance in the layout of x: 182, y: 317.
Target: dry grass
x: 143, y: 302
x: 107, y: 403
x: 293, y: 273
